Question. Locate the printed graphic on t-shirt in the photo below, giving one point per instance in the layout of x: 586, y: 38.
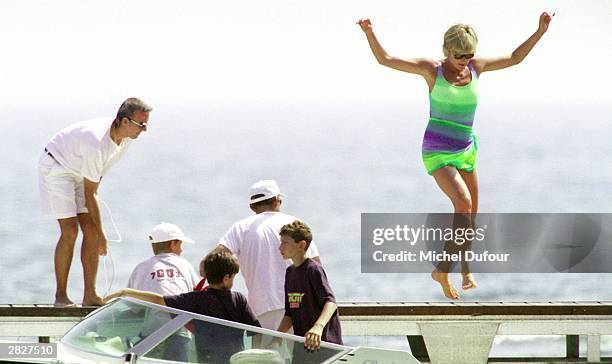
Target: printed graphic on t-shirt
x: 295, y: 299
x: 168, y: 273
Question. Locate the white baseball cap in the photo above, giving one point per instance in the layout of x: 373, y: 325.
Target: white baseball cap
x: 166, y: 232
x: 267, y: 189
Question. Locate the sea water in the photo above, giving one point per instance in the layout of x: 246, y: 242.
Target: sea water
x: 193, y: 167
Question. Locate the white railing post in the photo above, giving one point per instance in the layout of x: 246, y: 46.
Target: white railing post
x: 593, y: 348
x: 458, y: 342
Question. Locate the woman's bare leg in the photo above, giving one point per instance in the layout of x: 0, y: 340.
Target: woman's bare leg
x: 452, y: 184
x: 471, y: 180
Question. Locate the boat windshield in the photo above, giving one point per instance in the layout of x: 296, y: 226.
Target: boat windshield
x: 157, y: 334
x: 200, y: 341
x: 116, y: 328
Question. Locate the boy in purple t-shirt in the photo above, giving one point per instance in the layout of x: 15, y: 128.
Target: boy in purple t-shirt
x: 310, y: 305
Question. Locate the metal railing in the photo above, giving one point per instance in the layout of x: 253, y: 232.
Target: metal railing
x: 437, y: 332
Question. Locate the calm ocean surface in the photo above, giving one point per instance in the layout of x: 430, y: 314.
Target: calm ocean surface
x: 194, y: 167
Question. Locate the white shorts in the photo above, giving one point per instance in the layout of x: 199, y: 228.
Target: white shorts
x: 62, y: 193
x: 271, y: 320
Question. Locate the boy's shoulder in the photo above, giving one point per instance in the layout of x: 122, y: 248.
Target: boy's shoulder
x: 313, y: 264
x: 216, y: 295
x: 315, y: 268
x: 145, y: 264
x: 308, y: 267
x: 237, y: 294
x: 181, y: 259
x: 238, y: 299
x: 170, y: 259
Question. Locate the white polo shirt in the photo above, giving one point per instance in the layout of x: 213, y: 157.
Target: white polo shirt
x: 86, y: 148
x: 255, y: 242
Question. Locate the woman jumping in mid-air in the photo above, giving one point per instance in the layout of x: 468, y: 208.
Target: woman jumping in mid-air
x: 449, y: 144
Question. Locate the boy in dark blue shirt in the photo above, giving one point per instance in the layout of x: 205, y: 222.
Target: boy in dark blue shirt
x: 215, y: 343
x: 310, y: 305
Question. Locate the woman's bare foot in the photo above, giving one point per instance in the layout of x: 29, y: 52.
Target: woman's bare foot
x: 468, y: 281
x: 447, y: 287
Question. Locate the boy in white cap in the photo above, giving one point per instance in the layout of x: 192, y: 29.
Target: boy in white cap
x: 255, y: 242
x: 167, y: 274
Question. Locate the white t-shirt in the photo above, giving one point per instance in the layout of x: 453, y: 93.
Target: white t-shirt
x: 86, y: 148
x: 255, y: 242
x: 166, y: 274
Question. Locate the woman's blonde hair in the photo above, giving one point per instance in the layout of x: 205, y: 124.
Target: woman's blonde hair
x: 459, y: 39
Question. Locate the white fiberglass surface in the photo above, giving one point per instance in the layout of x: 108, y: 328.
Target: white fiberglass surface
x: 128, y: 325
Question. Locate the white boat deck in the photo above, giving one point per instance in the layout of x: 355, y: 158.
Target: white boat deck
x: 440, y: 332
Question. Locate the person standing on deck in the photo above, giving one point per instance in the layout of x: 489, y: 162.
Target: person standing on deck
x: 255, y: 241
x: 70, y: 170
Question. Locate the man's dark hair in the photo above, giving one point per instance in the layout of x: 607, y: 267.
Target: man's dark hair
x: 297, y: 231
x: 218, y: 264
x: 128, y: 108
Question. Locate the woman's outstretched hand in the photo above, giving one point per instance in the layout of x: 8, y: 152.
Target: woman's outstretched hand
x: 365, y: 25
x: 545, y: 19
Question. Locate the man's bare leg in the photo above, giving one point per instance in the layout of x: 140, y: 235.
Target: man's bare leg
x: 89, y: 259
x: 64, y: 250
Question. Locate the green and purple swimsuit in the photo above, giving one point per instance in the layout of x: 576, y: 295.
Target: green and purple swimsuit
x: 449, y: 139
